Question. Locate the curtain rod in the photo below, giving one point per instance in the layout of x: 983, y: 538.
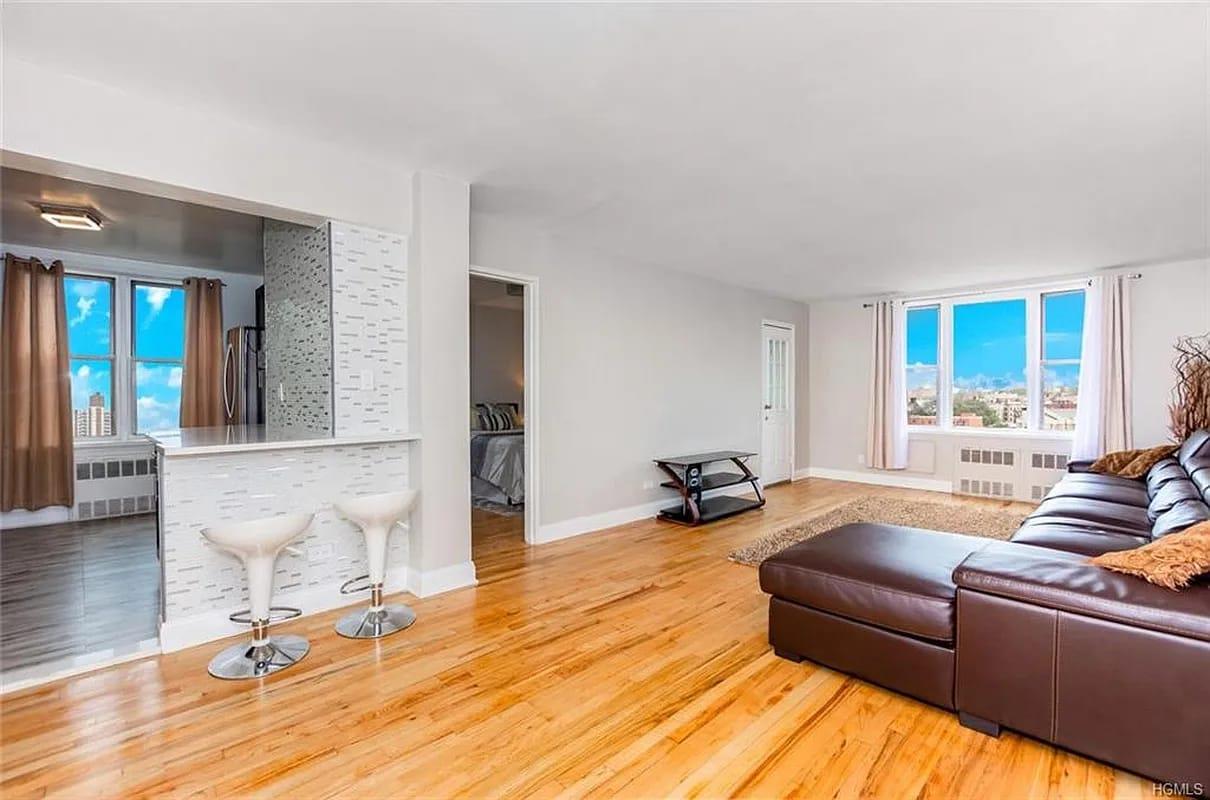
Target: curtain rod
x: 976, y: 292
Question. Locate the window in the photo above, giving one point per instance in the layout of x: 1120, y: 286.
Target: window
x: 1009, y: 361
x: 1062, y: 334
x: 989, y: 389
x: 922, y: 359
x: 126, y: 339
x: 90, y: 346
x: 157, y: 346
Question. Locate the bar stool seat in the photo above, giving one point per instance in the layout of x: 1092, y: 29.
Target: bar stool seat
x: 257, y: 544
x: 375, y: 514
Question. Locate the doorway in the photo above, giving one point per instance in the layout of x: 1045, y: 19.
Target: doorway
x: 503, y: 411
x: 777, y: 391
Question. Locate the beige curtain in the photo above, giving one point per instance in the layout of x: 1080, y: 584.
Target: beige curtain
x: 202, y: 378
x: 36, y: 449
x: 1104, y: 409
x: 886, y: 425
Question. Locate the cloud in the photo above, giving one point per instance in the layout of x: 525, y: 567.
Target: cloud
x: 155, y: 297
x: 156, y: 415
x: 84, y: 371
x: 84, y: 308
x: 174, y: 377
x: 85, y: 288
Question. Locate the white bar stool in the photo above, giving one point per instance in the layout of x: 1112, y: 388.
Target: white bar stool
x: 257, y: 543
x: 375, y: 514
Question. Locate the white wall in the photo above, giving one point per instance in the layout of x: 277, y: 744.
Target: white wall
x: 439, y: 383
x: 635, y: 363
x: 1169, y: 301
x: 497, y: 355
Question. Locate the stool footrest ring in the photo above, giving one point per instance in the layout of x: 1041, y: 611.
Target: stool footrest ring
x: 276, y: 614
x: 348, y: 588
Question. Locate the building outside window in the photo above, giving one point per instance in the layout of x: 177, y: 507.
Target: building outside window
x: 1008, y: 361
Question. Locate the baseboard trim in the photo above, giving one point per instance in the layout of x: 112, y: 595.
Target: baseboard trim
x: 211, y: 625
x: 443, y: 579
x: 590, y: 523
x: 801, y: 474
x: 896, y: 479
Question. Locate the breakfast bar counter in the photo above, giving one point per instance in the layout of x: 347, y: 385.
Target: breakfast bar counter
x: 210, y: 476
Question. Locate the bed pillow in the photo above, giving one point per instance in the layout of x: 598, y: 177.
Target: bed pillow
x: 476, y: 420
x: 491, y: 418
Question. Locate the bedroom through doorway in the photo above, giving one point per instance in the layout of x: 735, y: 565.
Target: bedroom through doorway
x: 500, y: 421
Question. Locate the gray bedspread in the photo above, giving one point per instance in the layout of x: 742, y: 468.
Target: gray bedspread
x: 498, y: 457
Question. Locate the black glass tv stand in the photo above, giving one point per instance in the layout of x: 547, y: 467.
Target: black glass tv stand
x: 688, y: 477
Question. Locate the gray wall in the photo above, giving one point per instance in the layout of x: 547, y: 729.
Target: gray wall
x: 636, y: 363
x: 1170, y: 300
x: 298, y: 327
x: 497, y: 355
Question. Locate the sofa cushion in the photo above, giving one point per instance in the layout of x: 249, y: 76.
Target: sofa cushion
x: 1173, y: 492
x: 1101, y: 487
x: 889, y: 576
x: 1099, y: 512
x: 1199, y: 473
x: 1167, y: 470
x: 1057, y: 535
x: 1195, y: 446
x: 1180, y: 516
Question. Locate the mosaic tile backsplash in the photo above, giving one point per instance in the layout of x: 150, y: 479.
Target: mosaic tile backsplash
x: 298, y: 327
x: 199, y: 491
x: 370, y: 328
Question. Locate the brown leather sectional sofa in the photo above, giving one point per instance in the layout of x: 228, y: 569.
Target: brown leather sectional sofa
x: 1024, y: 634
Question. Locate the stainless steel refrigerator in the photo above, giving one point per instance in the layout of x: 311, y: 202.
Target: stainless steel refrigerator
x: 244, y: 377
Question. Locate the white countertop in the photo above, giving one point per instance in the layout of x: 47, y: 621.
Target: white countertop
x: 247, y: 438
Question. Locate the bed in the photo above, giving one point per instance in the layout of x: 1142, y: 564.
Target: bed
x: 498, y: 466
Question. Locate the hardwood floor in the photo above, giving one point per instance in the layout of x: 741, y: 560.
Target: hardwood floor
x: 627, y: 663
x: 76, y: 588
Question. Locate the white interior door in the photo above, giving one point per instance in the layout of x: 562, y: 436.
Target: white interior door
x: 777, y: 429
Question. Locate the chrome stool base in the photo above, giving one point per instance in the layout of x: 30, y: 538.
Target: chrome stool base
x: 366, y: 623
x: 245, y: 660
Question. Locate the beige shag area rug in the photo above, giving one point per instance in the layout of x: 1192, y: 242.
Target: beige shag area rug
x: 993, y: 523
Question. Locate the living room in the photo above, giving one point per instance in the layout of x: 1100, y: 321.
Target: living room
x: 905, y: 281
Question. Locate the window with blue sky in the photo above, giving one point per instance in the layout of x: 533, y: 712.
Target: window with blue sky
x: 974, y: 355
x: 90, y: 345
x: 156, y: 340
x: 158, y: 344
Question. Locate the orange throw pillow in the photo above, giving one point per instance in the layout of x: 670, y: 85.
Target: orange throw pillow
x: 1132, y: 463
x: 1171, y: 561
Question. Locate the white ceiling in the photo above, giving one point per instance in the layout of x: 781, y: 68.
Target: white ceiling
x: 136, y: 226
x: 808, y: 150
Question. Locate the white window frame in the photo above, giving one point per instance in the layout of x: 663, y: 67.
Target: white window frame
x: 1033, y: 359
x: 124, y: 411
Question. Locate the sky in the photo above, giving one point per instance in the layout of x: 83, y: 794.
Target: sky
x: 990, y: 344
x: 158, y: 330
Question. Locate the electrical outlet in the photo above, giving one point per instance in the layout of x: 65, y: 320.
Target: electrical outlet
x: 320, y: 552
x: 861, y: 459
x: 648, y: 484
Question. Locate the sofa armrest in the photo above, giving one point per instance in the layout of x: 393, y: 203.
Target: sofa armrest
x: 1068, y: 582
x: 1083, y: 465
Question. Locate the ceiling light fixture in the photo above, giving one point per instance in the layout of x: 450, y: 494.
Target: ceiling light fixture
x: 71, y: 218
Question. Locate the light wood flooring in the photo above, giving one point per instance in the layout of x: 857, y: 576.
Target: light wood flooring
x: 77, y: 588
x: 628, y: 663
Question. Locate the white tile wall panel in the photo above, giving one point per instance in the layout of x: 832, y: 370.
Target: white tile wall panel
x: 369, y: 326
x: 204, y: 490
